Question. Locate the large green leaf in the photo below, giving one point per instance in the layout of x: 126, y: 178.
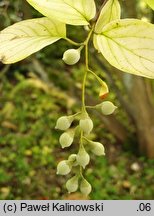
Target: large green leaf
x: 128, y: 45
x: 109, y: 12
x: 150, y: 3
x: 26, y: 37
x: 74, y: 12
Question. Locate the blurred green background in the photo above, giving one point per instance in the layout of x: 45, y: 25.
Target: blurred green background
x: 41, y: 88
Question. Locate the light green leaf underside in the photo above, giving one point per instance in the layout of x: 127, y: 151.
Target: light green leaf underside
x: 73, y: 12
x: 95, y: 42
x: 26, y: 37
x: 150, y: 3
x: 128, y: 45
x: 111, y: 11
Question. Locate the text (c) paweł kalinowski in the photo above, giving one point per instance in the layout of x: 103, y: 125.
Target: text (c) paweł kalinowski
x: 61, y: 207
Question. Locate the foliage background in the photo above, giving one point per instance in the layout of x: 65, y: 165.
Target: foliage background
x: 38, y: 90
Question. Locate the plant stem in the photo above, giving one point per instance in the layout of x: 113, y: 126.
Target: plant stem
x: 90, y: 107
x: 76, y: 114
x: 81, y: 136
x: 73, y: 42
x: 86, y: 43
x: 98, y: 13
x: 97, y: 77
x: 81, y: 146
x: 86, y: 139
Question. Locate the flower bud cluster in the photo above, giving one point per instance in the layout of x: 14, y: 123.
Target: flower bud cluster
x: 85, y: 126
x: 64, y: 123
x: 80, y: 160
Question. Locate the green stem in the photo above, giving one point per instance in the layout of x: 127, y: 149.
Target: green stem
x: 73, y: 42
x: 81, y: 170
x: 86, y: 43
x: 91, y: 107
x: 97, y: 77
x: 86, y: 139
x: 83, y: 92
x: 76, y: 114
x: 81, y: 145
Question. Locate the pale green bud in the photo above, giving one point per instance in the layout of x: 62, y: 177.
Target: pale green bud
x: 86, y: 124
x: 71, y: 56
x: 66, y: 139
x: 63, y: 168
x: 72, y: 157
x: 72, y: 184
x: 85, y: 187
x: 107, y: 107
x: 72, y: 160
x: 83, y: 157
x: 64, y: 122
x: 97, y: 148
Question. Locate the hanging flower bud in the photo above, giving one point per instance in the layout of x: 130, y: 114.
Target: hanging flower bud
x: 72, y: 184
x: 85, y: 187
x: 64, y: 122
x: 66, y: 139
x: 82, y: 157
x: 86, y: 124
x: 71, y: 56
x: 63, y: 168
x: 72, y: 160
x: 107, y: 107
x: 97, y: 148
